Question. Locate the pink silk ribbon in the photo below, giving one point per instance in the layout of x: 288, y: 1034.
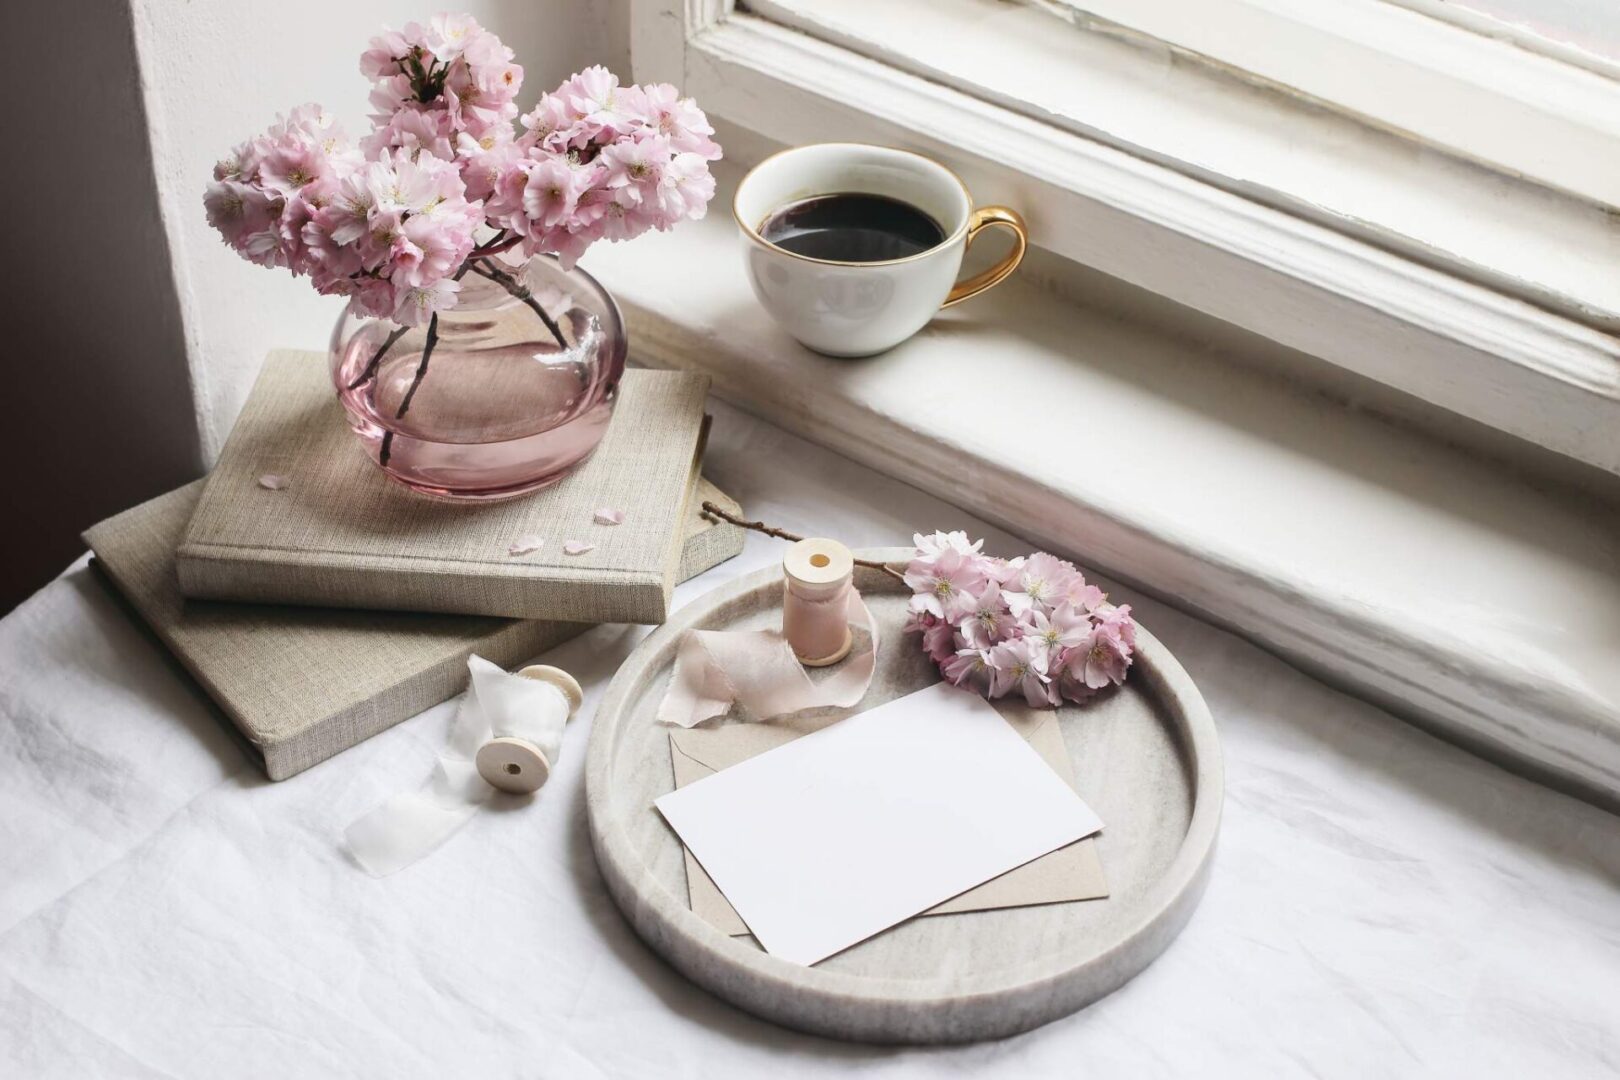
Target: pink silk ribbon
x: 715, y: 669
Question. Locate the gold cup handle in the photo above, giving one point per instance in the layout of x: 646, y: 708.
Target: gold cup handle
x: 983, y: 218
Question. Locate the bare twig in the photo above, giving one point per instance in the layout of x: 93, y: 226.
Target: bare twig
x: 714, y: 510
x: 486, y: 247
x: 387, y: 449
x: 485, y: 268
x: 421, y: 368
x: 376, y: 357
x: 498, y: 243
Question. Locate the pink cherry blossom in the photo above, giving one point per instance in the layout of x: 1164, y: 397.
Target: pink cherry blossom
x: 416, y: 129
x: 1116, y: 622
x: 987, y: 620
x: 1014, y: 666
x: 625, y: 174
x: 479, y: 95
x: 374, y: 296
x: 447, y: 35
x: 330, y: 237
x: 551, y: 192
x: 940, y: 641
x: 550, y: 116
x: 1083, y: 595
x: 1041, y: 579
x: 937, y: 543
x: 1102, y: 658
x: 382, y: 59
x: 414, y: 305
x: 236, y: 209
x: 443, y: 237
x: 431, y: 84
x: 680, y: 120
x: 943, y: 585
x: 590, y: 95
x: 969, y: 667
x: 288, y: 167
x: 1053, y: 635
x: 684, y: 192
x: 392, y: 223
x: 617, y: 213
x: 637, y: 165
x: 1072, y: 689
x: 1029, y: 625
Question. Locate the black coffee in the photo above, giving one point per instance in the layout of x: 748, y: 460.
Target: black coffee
x: 852, y: 227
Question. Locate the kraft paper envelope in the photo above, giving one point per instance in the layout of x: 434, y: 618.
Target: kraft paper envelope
x: 1069, y: 873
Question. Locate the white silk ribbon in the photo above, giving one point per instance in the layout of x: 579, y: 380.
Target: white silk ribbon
x: 413, y: 823
x: 715, y: 669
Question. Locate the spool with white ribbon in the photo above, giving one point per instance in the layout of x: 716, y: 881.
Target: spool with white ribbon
x: 506, y: 736
x: 525, y: 732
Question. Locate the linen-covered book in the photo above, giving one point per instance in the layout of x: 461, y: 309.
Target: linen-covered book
x: 340, y: 534
x: 303, y: 683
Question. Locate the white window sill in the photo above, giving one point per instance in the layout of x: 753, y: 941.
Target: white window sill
x: 1506, y: 316
x: 1410, y: 572
x: 1265, y: 145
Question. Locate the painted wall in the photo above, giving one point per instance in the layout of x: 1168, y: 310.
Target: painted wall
x: 96, y: 397
x: 134, y: 334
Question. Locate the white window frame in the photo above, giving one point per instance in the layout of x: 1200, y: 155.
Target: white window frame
x: 1549, y: 376
x: 1490, y: 100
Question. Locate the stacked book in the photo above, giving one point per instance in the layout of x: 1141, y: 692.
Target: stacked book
x: 332, y: 603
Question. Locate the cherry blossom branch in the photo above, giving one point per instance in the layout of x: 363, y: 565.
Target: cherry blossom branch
x: 387, y: 449
x: 485, y: 268
x: 494, y: 246
x: 421, y: 368
x: 713, y: 510
x: 376, y: 357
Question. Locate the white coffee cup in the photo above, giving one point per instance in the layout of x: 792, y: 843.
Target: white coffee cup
x: 861, y: 308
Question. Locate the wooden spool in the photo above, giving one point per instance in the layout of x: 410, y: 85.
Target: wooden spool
x: 817, y: 575
x: 515, y: 765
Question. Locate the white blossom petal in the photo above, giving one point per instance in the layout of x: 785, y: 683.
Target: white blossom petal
x: 273, y: 482
x: 608, y: 516
x: 525, y: 545
x: 577, y: 547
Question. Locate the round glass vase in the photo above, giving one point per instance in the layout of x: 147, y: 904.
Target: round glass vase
x: 515, y: 394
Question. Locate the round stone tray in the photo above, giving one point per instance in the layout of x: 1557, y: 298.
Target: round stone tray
x: 1146, y: 758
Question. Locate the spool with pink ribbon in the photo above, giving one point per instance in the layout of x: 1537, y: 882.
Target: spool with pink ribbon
x: 764, y: 670
x: 818, y: 575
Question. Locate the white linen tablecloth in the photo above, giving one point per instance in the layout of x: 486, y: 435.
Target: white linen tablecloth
x: 1382, y: 903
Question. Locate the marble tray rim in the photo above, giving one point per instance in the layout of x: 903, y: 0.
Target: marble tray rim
x: 900, y: 1010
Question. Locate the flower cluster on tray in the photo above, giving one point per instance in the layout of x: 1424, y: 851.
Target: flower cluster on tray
x: 1031, y: 625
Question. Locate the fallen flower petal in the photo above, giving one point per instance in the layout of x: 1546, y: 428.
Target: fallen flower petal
x: 606, y: 516
x: 525, y: 545
x: 272, y: 481
x: 577, y: 547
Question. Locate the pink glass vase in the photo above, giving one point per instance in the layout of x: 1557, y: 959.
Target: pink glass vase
x: 517, y: 391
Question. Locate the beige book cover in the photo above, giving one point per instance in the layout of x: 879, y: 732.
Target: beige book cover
x: 340, y: 534
x: 303, y: 683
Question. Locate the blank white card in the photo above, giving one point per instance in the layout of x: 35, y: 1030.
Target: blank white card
x: 834, y: 837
